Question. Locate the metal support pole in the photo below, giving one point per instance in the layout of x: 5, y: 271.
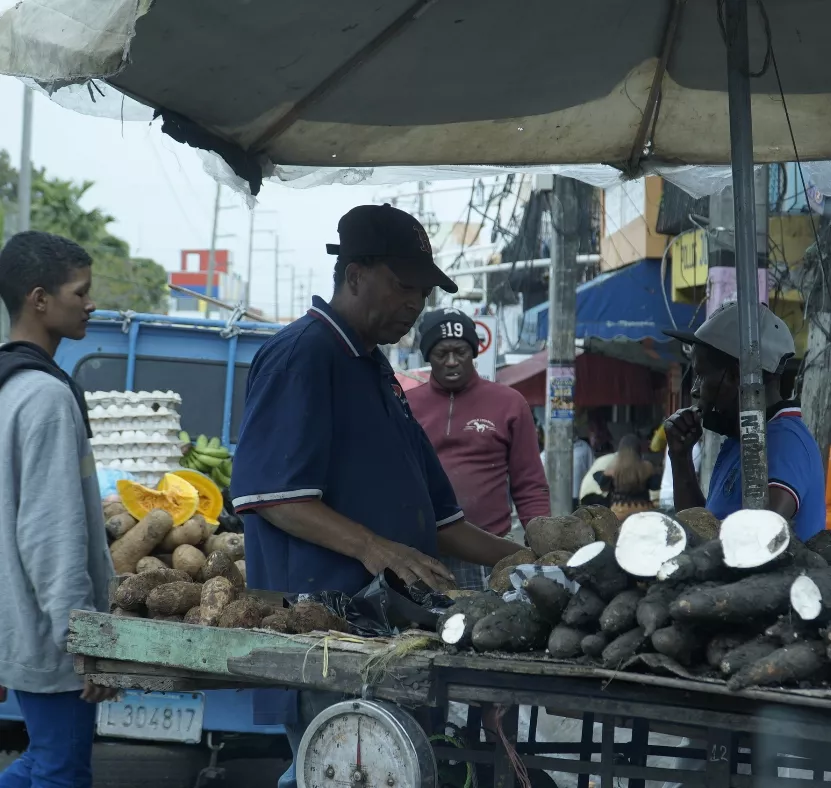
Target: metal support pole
x: 209, y: 288
x: 249, y: 272
x: 24, y: 184
x: 559, y: 407
x: 293, y: 297
x: 752, y: 425
x: 277, y: 277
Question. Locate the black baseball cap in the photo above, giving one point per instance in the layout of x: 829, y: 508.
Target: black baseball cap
x: 398, y: 238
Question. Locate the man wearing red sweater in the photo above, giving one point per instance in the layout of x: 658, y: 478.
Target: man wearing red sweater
x: 483, y: 433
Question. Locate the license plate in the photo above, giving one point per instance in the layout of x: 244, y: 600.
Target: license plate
x: 155, y: 716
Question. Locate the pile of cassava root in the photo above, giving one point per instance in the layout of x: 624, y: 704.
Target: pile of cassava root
x: 188, y: 574
x: 743, y: 600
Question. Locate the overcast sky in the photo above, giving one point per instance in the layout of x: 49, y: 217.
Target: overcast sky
x: 163, y: 200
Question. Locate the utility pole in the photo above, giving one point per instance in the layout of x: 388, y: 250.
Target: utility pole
x: 721, y: 276
x: 293, y: 303
x: 311, y: 277
x: 212, y: 254
x: 250, y: 267
x: 562, y: 320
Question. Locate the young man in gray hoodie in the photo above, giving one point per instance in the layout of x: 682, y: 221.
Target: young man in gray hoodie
x: 53, y: 547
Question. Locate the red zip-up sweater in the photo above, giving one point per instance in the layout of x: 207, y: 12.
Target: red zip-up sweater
x: 487, y: 442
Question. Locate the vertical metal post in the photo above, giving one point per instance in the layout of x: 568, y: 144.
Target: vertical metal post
x: 752, y: 425
x: 559, y: 405
x: 209, y: 288
x: 249, y: 272
x: 311, y: 274
x: 277, y: 278
x: 24, y: 184
x: 293, y: 297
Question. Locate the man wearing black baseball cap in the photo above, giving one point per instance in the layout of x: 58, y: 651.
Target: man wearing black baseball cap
x: 795, y: 473
x: 335, y: 479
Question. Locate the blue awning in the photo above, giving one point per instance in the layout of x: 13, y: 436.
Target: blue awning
x: 625, y: 304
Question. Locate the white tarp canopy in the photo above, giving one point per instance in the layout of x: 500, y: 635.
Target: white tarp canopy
x: 333, y: 92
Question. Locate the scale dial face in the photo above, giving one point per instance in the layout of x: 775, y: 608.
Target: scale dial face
x: 365, y: 744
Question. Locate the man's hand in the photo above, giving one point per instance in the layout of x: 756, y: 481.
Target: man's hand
x: 409, y: 564
x: 92, y: 693
x: 683, y: 431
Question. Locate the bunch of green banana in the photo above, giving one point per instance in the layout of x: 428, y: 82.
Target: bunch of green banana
x: 207, y: 456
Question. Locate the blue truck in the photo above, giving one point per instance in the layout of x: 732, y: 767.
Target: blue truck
x: 205, y: 361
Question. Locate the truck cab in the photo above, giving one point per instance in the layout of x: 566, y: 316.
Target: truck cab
x: 206, y: 362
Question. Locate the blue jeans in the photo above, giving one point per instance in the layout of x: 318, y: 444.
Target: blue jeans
x: 61, y: 728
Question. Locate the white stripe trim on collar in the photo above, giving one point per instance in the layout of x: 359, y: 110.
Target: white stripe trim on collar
x: 337, y: 328
x: 791, y: 411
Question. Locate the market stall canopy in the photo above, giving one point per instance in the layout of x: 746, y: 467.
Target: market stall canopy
x: 363, y: 85
x: 630, y: 303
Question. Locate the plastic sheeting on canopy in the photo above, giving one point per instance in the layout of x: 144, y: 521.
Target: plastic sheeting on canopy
x: 333, y: 92
x: 628, y: 303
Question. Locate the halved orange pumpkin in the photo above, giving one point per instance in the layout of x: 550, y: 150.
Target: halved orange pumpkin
x: 175, y: 496
x: 210, y: 496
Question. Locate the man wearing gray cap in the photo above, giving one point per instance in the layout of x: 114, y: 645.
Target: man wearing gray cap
x: 795, y: 473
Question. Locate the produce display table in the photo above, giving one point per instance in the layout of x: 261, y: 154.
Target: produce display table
x: 411, y: 670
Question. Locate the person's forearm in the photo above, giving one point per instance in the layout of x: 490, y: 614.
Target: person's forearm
x: 685, y: 486
x: 315, y: 522
x: 467, y: 542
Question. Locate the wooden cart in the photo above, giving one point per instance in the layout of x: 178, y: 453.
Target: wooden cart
x: 167, y: 657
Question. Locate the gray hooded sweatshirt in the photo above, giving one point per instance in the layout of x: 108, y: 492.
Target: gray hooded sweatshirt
x: 53, y: 547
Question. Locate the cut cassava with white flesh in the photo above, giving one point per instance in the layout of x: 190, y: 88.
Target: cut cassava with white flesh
x: 456, y: 624
x: 593, y: 645
x: 548, y: 596
x: 705, y: 562
x: 565, y: 642
x: 569, y: 533
x: 786, y: 665
x: 753, y: 538
x: 595, y: 566
x: 682, y: 644
x: 746, y: 654
x: 620, y: 615
x: 583, y: 610
x: 648, y: 540
x: 604, y: 522
x: 623, y: 647
x: 653, y: 609
x: 811, y: 595
x: 515, y: 627
x: 754, y: 597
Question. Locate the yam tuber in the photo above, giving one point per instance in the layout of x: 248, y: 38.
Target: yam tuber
x: 785, y: 665
x: 193, y: 532
x: 140, y: 540
x: 499, y: 582
x: 653, y: 609
x: 679, y: 643
x: 240, y: 614
x: 620, y: 615
x: 233, y: 545
x: 746, y: 654
x: 240, y: 565
x: 193, y: 616
x: 220, y: 565
x: 565, y: 642
x: 173, y: 599
x: 569, y: 533
x: 702, y: 563
x: 583, y: 610
x: 554, y: 558
x: 311, y: 617
x: 150, y: 563
x: 514, y: 627
x: 119, y: 524
x: 604, y: 522
x: 217, y: 594
x: 648, y: 540
x: 623, y: 647
x: 133, y: 592
x: 757, y: 596
x: 548, y: 596
x: 188, y: 559
x: 277, y: 621
x: 524, y: 556
x: 702, y: 523
x: 595, y: 566
x: 112, y: 508
x: 593, y: 645
x: 456, y: 624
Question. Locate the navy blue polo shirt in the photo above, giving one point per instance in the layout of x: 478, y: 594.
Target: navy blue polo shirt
x: 325, y: 419
x: 794, y: 465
